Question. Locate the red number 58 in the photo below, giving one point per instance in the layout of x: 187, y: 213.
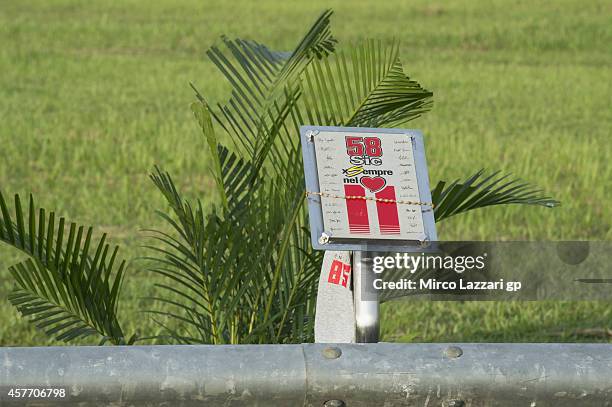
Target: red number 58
x: 355, y: 146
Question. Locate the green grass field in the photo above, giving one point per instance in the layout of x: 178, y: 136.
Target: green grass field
x: 92, y: 95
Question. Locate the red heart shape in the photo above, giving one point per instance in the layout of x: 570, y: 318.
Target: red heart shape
x: 374, y: 184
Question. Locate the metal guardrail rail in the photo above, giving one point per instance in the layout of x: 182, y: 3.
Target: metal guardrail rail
x: 350, y: 375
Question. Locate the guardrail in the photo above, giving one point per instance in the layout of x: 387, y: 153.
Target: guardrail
x: 351, y: 375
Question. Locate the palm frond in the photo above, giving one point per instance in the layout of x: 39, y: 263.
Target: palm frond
x: 479, y: 191
x: 317, y: 43
x: 255, y: 71
x: 362, y: 86
x: 67, y: 292
x: 259, y: 76
x: 187, y: 260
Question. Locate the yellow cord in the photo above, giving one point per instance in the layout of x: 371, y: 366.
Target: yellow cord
x: 368, y: 198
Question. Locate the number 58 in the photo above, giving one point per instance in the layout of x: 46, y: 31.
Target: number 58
x: 360, y: 146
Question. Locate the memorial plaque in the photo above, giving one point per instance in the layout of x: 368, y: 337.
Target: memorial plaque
x: 367, y: 187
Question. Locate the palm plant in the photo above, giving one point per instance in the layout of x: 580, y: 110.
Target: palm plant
x: 242, y: 271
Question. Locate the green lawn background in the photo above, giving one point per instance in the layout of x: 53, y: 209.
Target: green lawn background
x: 93, y: 94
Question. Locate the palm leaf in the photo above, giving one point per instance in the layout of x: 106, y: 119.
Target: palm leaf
x: 258, y: 75
x: 65, y: 291
x: 479, y: 191
x: 187, y: 260
x: 362, y: 86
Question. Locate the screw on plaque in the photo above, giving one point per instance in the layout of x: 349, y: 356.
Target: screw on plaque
x: 311, y: 135
x: 324, y: 238
x: 424, y: 242
x: 334, y: 403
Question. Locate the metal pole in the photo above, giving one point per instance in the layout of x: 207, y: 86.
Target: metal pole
x: 351, y: 375
x: 366, y: 307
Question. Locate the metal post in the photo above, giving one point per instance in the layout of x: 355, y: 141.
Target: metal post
x: 366, y: 307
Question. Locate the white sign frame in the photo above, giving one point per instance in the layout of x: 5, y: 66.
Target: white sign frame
x: 322, y: 240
